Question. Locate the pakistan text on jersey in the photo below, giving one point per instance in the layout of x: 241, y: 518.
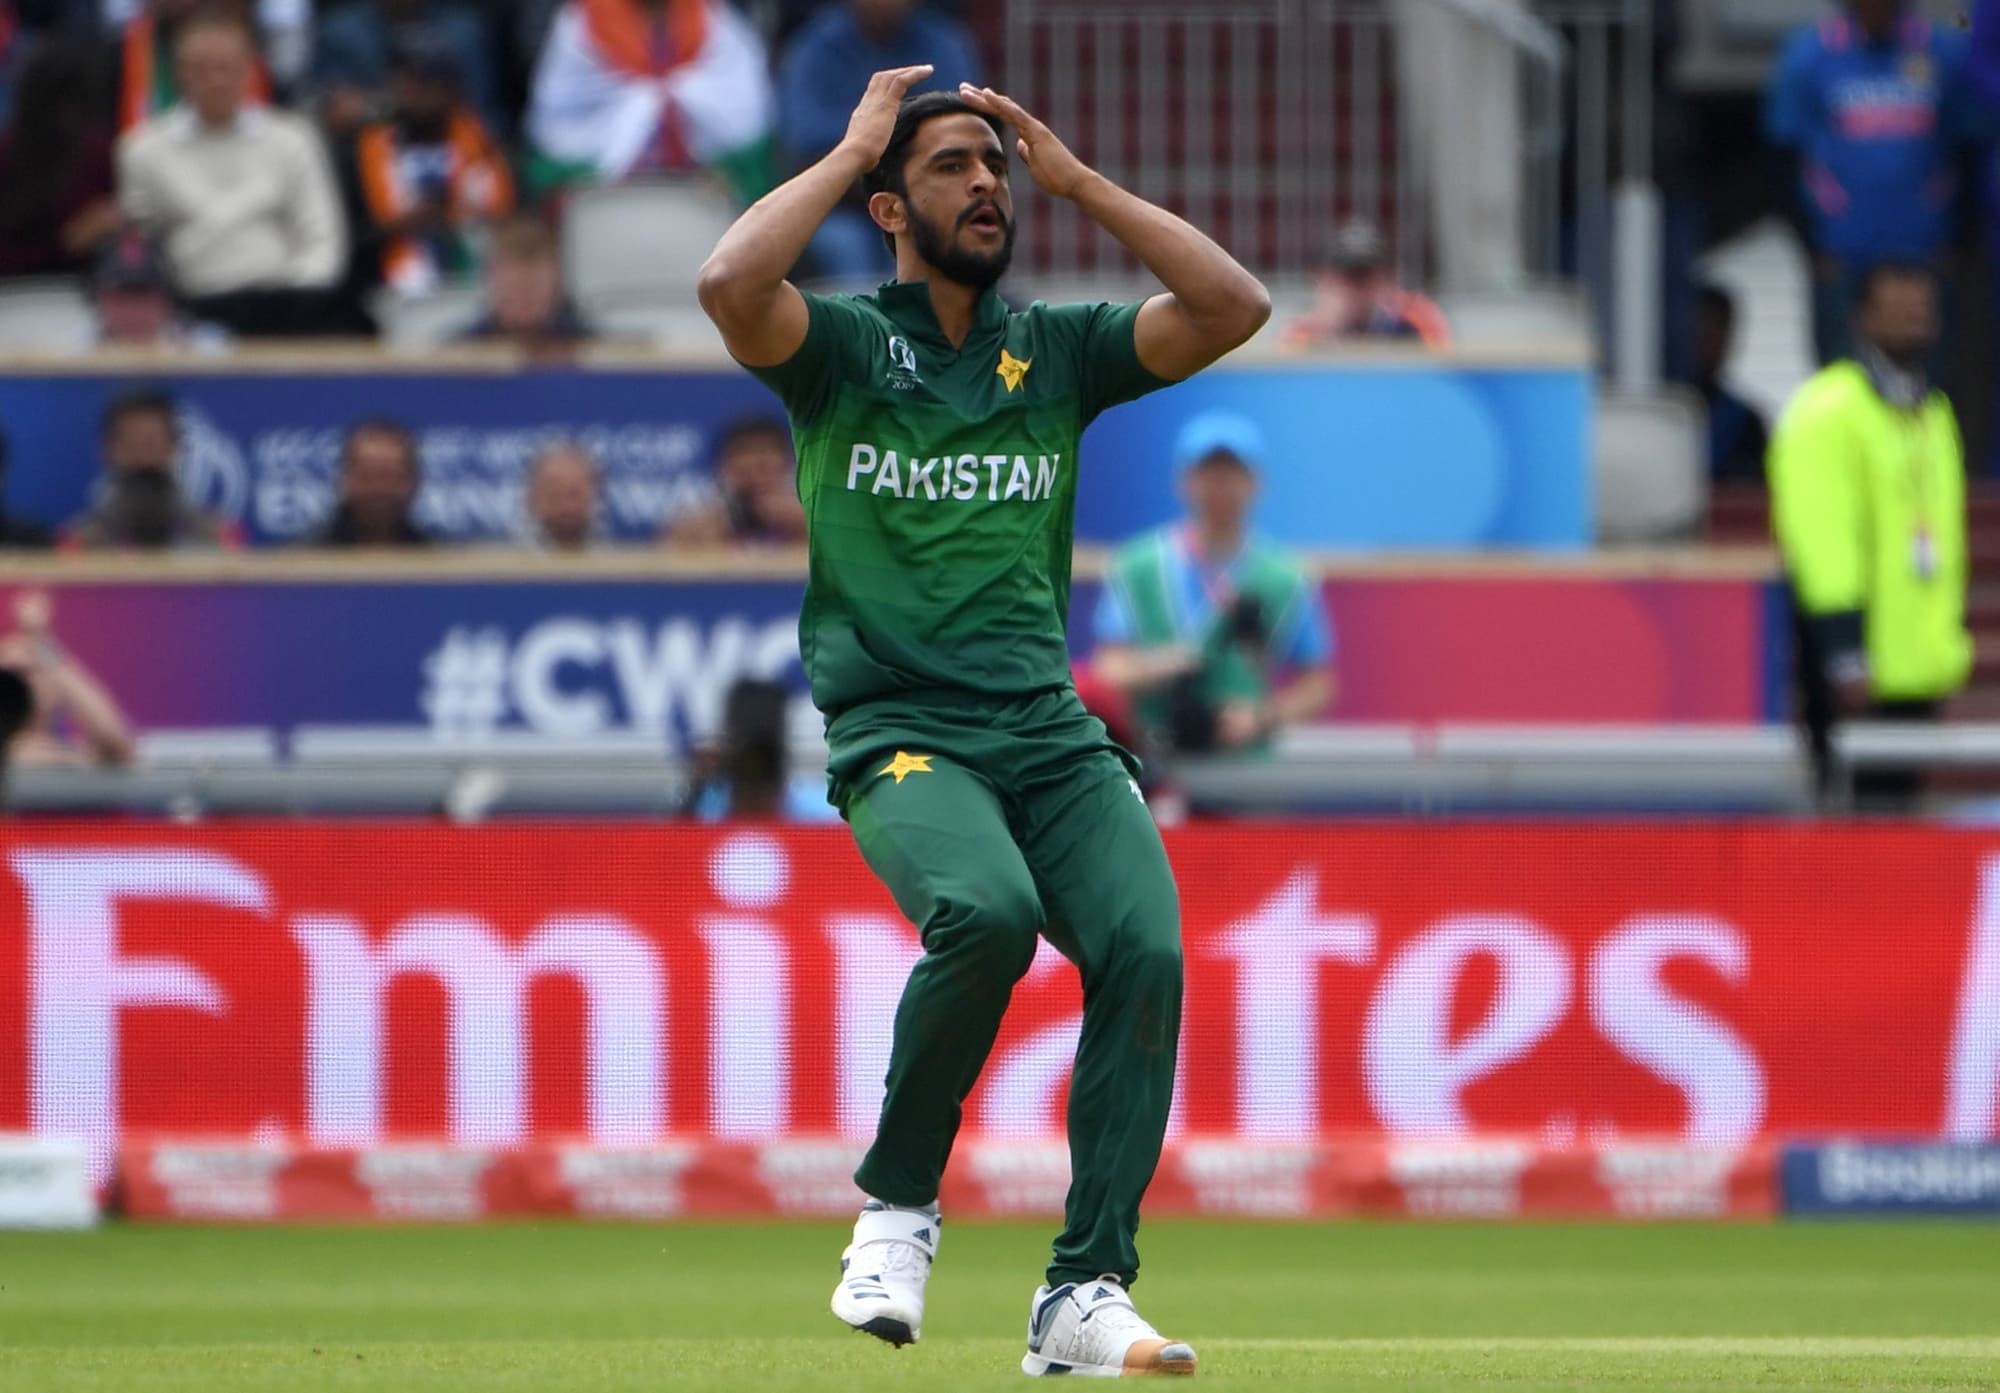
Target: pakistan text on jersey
x: 962, y: 478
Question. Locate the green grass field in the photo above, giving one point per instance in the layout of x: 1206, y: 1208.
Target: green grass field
x: 1406, y: 1307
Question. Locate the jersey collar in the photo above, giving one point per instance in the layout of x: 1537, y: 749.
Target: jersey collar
x: 908, y: 303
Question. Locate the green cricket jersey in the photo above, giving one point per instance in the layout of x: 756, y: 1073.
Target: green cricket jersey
x: 939, y: 486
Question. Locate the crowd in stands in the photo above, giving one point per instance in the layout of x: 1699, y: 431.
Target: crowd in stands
x: 211, y: 171
x: 138, y: 502
x: 268, y: 168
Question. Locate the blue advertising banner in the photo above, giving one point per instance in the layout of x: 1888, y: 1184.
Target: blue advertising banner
x: 1369, y: 455
x: 1364, y: 455
x: 436, y: 661
x: 1858, y: 1178
x: 431, y: 653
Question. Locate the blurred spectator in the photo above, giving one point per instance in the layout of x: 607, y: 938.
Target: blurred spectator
x: 1216, y: 637
x: 1868, y: 502
x: 135, y: 300
x: 1984, y: 70
x: 358, y: 40
x: 1872, y: 102
x: 562, y: 499
x: 56, y: 204
x: 758, y: 483
x: 241, y: 197
x: 379, y: 479
x: 72, y: 719
x: 635, y: 87
x: 1737, y: 435
x: 821, y: 76
x: 431, y: 175
x: 1355, y: 296
x: 14, y: 47
x: 149, y: 77
x: 16, y: 532
x: 137, y: 502
x: 746, y: 773
x: 526, y: 304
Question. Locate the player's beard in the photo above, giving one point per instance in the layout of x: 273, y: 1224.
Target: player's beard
x: 976, y: 269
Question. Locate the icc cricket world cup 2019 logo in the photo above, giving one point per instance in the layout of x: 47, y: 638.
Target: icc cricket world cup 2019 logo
x: 902, y: 363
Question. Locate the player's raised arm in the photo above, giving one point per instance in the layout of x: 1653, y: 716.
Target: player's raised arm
x: 1212, y: 304
x: 742, y: 285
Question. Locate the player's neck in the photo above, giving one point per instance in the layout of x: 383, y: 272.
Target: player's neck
x: 954, y: 303
x: 1216, y: 542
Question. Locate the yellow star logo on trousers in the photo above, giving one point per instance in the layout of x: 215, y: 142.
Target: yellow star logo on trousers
x: 1012, y: 369
x: 904, y: 764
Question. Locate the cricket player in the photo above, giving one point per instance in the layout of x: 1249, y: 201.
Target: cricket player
x: 937, y: 440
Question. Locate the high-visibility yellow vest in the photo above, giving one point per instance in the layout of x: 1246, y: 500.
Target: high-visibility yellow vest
x: 1868, y: 503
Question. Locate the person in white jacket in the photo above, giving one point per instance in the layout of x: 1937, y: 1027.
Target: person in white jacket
x: 241, y: 197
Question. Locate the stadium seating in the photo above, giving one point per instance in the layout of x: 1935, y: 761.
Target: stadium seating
x: 429, y: 320
x: 669, y: 324
x: 1651, y: 468
x: 46, y: 316
x: 640, y: 240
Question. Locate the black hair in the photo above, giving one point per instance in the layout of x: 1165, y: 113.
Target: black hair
x: 746, y: 428
x: 381, y: 425
x: 887, y: 175
x: 1891, y: 270
x: 139, y: 401
x: 1711, y: 296
x: 754, y: 746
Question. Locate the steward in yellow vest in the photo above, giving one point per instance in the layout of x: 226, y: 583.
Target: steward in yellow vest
x: 1867, y: 476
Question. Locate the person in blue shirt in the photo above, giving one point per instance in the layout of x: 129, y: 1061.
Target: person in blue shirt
x: 1874, y: 103
x: 825, y: 66
x: 1215, y: 637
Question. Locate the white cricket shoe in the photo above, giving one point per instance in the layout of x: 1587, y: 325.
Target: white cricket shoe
x: 1091, y: 1328
x: 883, y: 1271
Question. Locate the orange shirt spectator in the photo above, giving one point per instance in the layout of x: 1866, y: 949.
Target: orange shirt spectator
x: 1356, y: 296
x: 430, y: 174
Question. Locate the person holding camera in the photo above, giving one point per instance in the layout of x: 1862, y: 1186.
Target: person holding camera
x: 1217, y: 638
x: 53, y: 710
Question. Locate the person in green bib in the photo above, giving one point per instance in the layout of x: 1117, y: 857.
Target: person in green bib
x: 937, y: 438
x: 1218, y: 638
x: 1867, y: 475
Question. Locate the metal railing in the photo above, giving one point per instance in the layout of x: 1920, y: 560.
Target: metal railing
x: 1386, y: 769
x: 1270, y: 120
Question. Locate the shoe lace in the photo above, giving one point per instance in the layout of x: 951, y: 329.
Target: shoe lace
x: 899, y: 1258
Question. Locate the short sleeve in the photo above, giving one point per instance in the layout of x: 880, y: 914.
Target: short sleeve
x: 804, y: 382
x: 1789, y: 106
x: 1108, y: 369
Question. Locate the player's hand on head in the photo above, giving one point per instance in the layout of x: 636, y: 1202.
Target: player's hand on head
x: 874, y: 118
x: 1056, y: 168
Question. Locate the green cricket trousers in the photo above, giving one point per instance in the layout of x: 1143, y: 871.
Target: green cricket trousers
x: 994, y: 821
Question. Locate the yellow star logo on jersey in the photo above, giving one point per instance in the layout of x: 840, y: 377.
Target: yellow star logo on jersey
x: 1013, y: 369
x: 904, y: 764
